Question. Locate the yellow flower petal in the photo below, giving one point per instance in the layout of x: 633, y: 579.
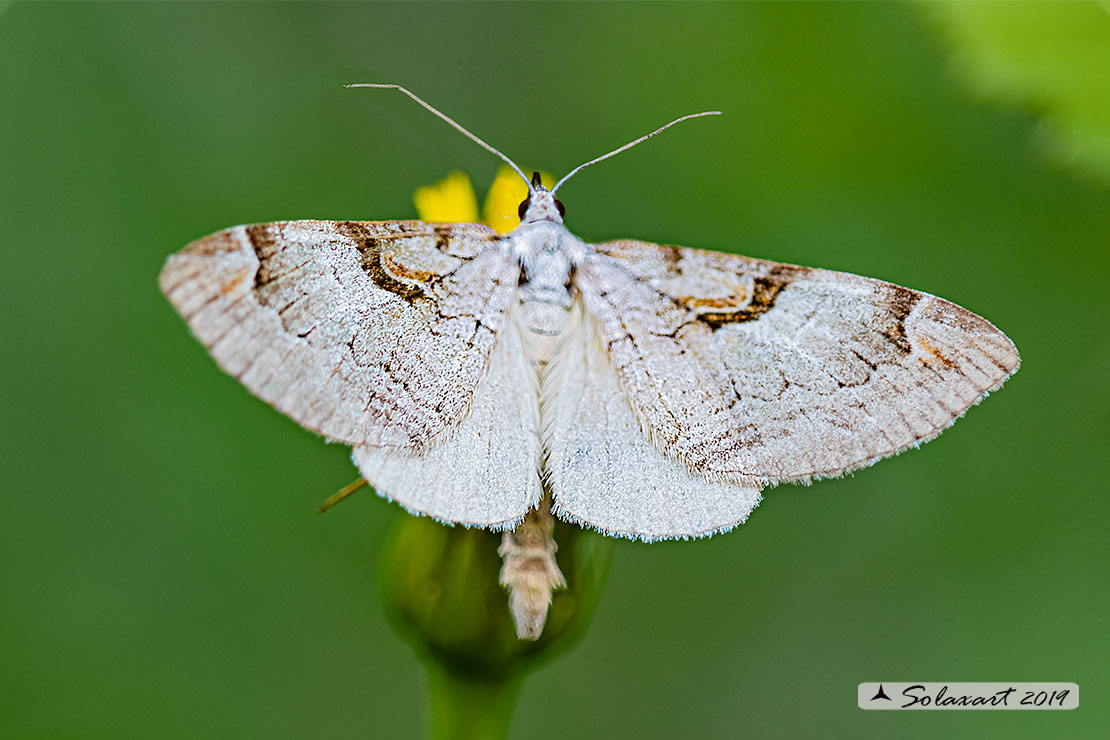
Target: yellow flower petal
x: 451, y: 200
x: 504, y: 198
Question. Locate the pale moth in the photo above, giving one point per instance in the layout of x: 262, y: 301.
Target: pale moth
x: 643, y: 390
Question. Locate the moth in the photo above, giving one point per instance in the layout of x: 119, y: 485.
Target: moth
x: 644, y: 390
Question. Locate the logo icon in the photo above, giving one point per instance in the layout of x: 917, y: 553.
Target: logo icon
x: 881, y: 694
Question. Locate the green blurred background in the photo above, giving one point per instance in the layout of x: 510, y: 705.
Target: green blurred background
x: 163, y: 570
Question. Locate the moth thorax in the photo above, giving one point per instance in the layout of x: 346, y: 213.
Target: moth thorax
x: 545, y: 304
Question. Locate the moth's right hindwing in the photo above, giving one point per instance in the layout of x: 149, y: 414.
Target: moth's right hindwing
x: 604, y: 472
x: 371, y: 333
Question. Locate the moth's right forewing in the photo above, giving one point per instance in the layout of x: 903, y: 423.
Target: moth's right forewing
x: 369, y: 333
x: 759, y: 372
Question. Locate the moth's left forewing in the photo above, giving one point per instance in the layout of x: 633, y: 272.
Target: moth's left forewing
x: 371, y: 333
x: 757, y: 371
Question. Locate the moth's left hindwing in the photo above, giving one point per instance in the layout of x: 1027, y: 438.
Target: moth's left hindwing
x: 758, y: 372
x: 486, y: 472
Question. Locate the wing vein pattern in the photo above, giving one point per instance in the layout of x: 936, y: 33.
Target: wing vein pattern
x: 758, y: 372
x: 399, y: 317
x: 677, y: 384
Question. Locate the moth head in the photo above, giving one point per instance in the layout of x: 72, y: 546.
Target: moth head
x: 540, y: 205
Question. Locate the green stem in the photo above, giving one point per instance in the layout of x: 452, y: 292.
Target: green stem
x: 469, y: 707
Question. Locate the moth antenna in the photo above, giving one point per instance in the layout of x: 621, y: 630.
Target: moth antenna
x: 631, y: 144
x: 455, y: 125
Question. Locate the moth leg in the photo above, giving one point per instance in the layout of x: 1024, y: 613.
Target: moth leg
x: 342, y: 494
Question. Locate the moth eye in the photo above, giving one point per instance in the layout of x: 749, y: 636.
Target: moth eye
x: 523, y: 208
x: 559, y: 205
